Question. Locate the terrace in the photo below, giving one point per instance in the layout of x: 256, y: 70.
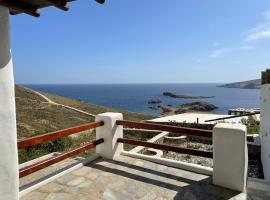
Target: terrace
x: 130, y: 178
x: 113, y: 173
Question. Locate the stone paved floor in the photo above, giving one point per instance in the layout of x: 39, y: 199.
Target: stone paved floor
x: 130, y: 178
x: 46, y: 171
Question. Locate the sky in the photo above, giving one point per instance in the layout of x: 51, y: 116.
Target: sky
x: 139, y: 41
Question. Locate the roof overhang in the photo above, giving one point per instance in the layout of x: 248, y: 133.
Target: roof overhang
x: 31, y: 7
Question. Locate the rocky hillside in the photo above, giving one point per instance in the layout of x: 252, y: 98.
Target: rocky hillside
x: 252, y: 84
x: 36, y: 116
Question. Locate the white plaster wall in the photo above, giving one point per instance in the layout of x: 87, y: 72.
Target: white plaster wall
x: 265, y: 130
x: 9, y: 177
x: 230, y: 159
x: 110, y: 132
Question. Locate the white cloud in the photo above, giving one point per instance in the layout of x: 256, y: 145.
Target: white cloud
x: 261, y: 30
x: 219, y: 52
x: 216, y: 44
x: 247, y: 47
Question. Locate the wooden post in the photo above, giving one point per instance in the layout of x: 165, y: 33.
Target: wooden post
x: 9, y: 169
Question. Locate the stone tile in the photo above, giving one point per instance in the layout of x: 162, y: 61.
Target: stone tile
x: 83, y: 171
x: 123, y: 196
x: 150, y: 196
x: 116, y: 184
x: 162, y: 168
x: 138, y: 163
x: 85, y: 184
x: 35, y: 195
x: 60, y: 196
x: 65, y: 179
x: 109, y: 195
x: 76, y: 181
x: 52, y: 187
x: 102, y: 180
x: 132, y: 189
x: 92, y: 176
x: 71, y: 190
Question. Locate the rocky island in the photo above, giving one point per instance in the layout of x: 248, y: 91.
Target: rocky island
x: 154, y: 101
x: 182, y: 96
x: 188, y: 107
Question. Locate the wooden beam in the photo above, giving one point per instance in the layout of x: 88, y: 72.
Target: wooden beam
x: 21, y: 7
x: 61, y: 4
x: 100, y: 1
x: 47, y: 162
x: 206, y: 154
x: 23, y: 143
x: 263, y: 79
x: 172, y: 129
x: 267, y: 76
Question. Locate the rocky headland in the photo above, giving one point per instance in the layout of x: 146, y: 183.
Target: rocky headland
x: 182, y: 96
x: 187, y: 107
x: 252, y: 84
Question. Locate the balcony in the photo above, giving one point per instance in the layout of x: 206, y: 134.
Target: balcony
x: 113, y: 173
x: 130, y: 178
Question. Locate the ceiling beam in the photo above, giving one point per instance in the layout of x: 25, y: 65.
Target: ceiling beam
x: 21, y: 7
x: 61, y: 4
x: 100, y: 1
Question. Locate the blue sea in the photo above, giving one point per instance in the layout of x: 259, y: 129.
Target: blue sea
x: 134, y: 97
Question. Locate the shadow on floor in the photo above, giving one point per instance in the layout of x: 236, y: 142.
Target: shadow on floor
x: 197, y: 190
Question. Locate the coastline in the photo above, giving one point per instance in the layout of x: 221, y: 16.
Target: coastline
x: 134, y: 97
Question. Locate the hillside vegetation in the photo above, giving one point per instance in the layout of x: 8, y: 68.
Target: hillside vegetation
x: 36, y: 116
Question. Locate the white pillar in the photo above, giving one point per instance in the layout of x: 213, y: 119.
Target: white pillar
x: 265, y: 129
x: 110, y: 132
x: 230, y: 156
x: 9, y: 177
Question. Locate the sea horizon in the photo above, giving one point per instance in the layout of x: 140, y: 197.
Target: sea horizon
x: 134, y: 97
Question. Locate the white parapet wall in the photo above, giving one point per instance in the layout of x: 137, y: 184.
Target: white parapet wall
x: 9, y: 168
x: 110, y: 132
x: 172, y: 163
x: 265, y: 130
x: 230, y: 156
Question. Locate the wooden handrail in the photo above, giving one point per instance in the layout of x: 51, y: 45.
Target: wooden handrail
x: 23, y: 143
x: 207, y: 154
x: 172, y: 129
x: 47, y: 162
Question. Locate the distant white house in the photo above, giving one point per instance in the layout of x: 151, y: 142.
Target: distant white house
x: 199, y: 118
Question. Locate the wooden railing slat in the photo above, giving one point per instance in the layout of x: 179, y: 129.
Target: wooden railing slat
x: 172, y: 129
x: 45, y: 163
x: 207, y: 154
x: 23, y: 143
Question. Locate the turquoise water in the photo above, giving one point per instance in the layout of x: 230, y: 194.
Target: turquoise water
x: 134, y: 97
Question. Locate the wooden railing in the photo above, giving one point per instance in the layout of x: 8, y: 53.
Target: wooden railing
x: 172, y: 129
x: 24, y: 143
x: 207, y: 154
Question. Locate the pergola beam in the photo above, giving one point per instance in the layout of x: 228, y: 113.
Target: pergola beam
x: 100, y: 1
x: 21, y: 7
x: 61, y: 4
